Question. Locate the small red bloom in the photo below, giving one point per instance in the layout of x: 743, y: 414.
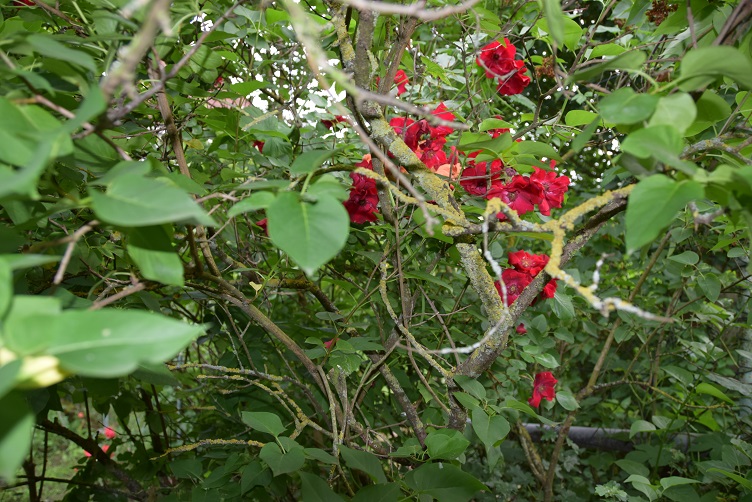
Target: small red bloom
x: 260, y: 145
x: 519, y: 194
x: 23, y: 3
x: 443, y: 113
x: 432, y: 153
x: 523, y: 261
x: 543, y: 388
x: 364, y: 198
x: 521, y: 329
x: 498, y: 62
x: 330, y: 344
x: 330, y: 123
x: 109, y: 433
x: 515, y: 283
x: 553, y: 189
x: 218, y: 83
x: 264, y: 224
x: 475, y: 180
x: 401, y: 80
x: 549, y: 290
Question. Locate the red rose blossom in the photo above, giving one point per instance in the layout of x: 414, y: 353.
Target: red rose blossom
x: 362, y: 205
x: 401, y: 80
x: 515, y: 283
x: 264, y: 224
x: 330, y: 123
x: 553, y: 188
x: 523, y: 261
x: 329, y: 345
x: 260, y: 145
x: 498, y: 62
x: 519, y: 194
x: 521, y: 329
x: 109, y: 433
x: 543, y: 388
x: 475, y: 179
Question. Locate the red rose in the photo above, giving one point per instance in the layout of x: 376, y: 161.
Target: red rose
x: 543, y: 388
x: 523, y: 261
x: 515, y: 283
x: 498, y: 62
x: 330, y: 123
x: 264, y: 224
x: 553, y: 189
x: 519, y: 194
x: 330, y: 344
x: 401, y: 80
x: 260, y: 145
x: 109, y: 433
x: 362, y: 205
x: 521, y: 329
x: 475, y: 180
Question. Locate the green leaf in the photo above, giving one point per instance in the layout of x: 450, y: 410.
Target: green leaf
x: 328, y: 185
x: 710, y: 286
x: 567, y: 400
x: 134, y: 201
x: 652, y: 206
x: 16, y: 428
x: 546, y: 360
x: 316, y: 489
x: 282, y: 463
x: 102, y: 343
x: 677, y: 110
x: 625, y: 106
x: 663, y: 142
x: 6, y: 286
x: 562, y: 305
x: 254, y: 474
x: 8, y: 374
x: 732, y: 384
x: 263, y: 422
x: 555, y: 20
x: 446, y: 444
x: 628, y: 61
x: 576, y: 118
x: 471, y: 385
x: 320, y: 455
x: 151, y: 250
x: 711, y: 108
x: 310, y: 161
x: 687, y: 258
x: 311, y: 233
x: 256, y: 201
x: 632, y: 467
x: 363, y: 461
x: 581, y: 140
x: 536, y: 148
x: 48, y: 46
x: 445, y: 482
x: 702, y: 66
x: 639, y: 426
x: 744, y: 482
x: 21, y: 261
x: 490, y: 430
x: 389, y: 492
x: 670, y: 481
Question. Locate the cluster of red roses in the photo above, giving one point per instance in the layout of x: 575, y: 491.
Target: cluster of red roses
x: 522, y: 193
x: 543, y: 388
x: 525, y: 267
x: 364, y: 197
x: 499, y: 63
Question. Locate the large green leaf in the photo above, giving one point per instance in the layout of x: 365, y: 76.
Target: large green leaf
x: 363, y: 461
x: 16, y: 428
x: 316, y: 489
x: 445, y: 482
x: 102, y: 343
x: 554, y: 19
x: 282, y: 462
x: 446, y: 444
x: 702, y: 66
x: 151, y: 249
x: 653, y: 204
x: 6, y: 286
x: 134, y: 201
x: 263, y: 422
x: 311, y: 233
x: 389, y: 492
x: 625, y: 106
x: 490, y: 430
x: 677, y: 110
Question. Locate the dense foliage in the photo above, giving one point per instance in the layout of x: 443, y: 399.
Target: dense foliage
x: 482, y: 250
